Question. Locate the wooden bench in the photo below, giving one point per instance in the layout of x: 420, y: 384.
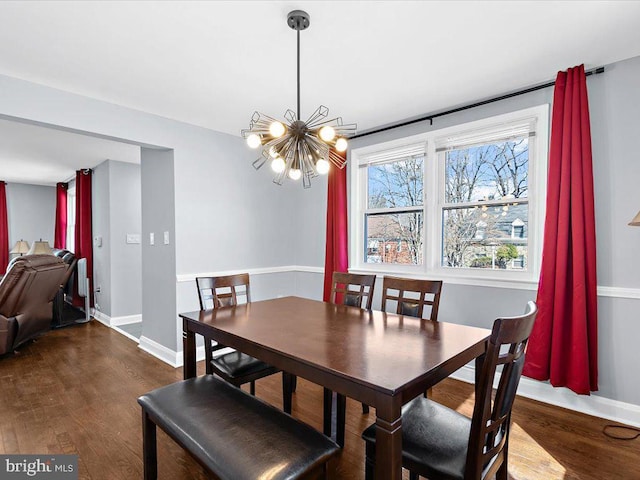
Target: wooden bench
x: 230, y: 433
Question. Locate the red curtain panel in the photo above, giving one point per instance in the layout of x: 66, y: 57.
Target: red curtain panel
x: 4, y: 229
x: 83, y: 233
x: 337, y: 247
x: 563, y: 346
x: 60, y: 237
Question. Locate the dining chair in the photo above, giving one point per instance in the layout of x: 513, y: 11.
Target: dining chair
x: 235, y: 367
x: 441, y: 444
x: 353, y: 290
x: 411, y: 296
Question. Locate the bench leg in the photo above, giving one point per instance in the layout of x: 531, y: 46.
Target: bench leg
x: 252, y: 388
x: 149, y: 448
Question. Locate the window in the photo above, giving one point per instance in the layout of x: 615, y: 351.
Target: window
x: 461, y: 201
x: 71, y: 218
x: 395, y: 207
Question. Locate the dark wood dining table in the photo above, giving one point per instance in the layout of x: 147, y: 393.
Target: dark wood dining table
x: 381, y: 359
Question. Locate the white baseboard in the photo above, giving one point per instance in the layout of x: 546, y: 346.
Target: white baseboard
x: 126, y: 334
x: 115, y: 321
x: 126, y: 320
x: 594, y: 405
x: 101, y: 317
x: 165, y: 354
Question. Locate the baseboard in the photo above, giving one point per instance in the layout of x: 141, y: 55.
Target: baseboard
x: 125, y: 320
x: 101, y: 317
x: 126, y: 334
x: 115, y: 321
x: 165, y: 354
x: 594, y: 405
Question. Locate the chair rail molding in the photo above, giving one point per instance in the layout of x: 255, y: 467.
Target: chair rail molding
x: 603, y: 291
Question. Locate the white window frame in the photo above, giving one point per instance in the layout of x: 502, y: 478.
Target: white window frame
x: 433, y: 188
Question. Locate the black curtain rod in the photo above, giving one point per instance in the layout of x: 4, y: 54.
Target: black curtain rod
x: 594, y: 71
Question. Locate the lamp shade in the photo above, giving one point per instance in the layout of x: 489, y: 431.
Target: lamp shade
x: 636, y: 221
x: 20, y: 248
x: 40, y: 247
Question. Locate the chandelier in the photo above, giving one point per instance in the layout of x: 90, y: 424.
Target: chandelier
x: 296, y: 148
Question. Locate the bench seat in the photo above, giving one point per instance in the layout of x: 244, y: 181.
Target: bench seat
x: 230, y: 433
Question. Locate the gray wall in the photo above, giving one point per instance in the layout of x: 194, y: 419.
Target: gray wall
x: 159, y: 259
x: 31, y: 212
x: 101, y: 226
x: 117, y: 211
x: 126, y: 258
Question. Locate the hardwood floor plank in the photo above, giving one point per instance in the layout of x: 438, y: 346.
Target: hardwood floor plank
x: 75, y: 391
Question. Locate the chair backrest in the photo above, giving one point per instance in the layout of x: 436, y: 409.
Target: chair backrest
x: 31, y: 281
x: 412, y: 296
x: 492, y: 414
x: 345, y: 291
x: 216, y: 292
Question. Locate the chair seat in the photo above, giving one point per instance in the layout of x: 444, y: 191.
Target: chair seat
x: 434, y: 437
x: 238, y: 364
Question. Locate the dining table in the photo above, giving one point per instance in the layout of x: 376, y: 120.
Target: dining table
x: 381, y: 359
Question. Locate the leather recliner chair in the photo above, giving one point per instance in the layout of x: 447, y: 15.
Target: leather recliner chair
x: 26, y: 294
x: 66, y: 289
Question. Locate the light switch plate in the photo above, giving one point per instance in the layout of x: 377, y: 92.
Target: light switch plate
x: 166, y: 238
x: 152, y: 239
x: 133, y: 238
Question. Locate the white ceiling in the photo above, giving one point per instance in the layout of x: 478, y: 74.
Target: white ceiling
x: 45, y: 156
x: 373, y: 63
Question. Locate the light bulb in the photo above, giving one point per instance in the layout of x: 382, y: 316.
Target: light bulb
x: 273, y: 152
x: 327, y: 133
x: 295, y: 174
x: 277, y: 165
x: 254, y: 141
x: 276, y: 129
x: 341, y: 144
x: 322, y: 166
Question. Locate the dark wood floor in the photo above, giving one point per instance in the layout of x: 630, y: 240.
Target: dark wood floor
x: 75, y: 390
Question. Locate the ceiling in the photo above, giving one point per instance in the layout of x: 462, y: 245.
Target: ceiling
x: 372, y: 62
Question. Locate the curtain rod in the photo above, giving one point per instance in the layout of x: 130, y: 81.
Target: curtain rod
x: 593, y: 71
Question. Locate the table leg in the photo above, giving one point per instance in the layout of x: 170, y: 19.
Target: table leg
x: 327, y: 411
x: 389, y: 443
x: 188, y: 352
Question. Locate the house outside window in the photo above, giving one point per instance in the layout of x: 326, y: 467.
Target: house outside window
x: 465, y: 201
